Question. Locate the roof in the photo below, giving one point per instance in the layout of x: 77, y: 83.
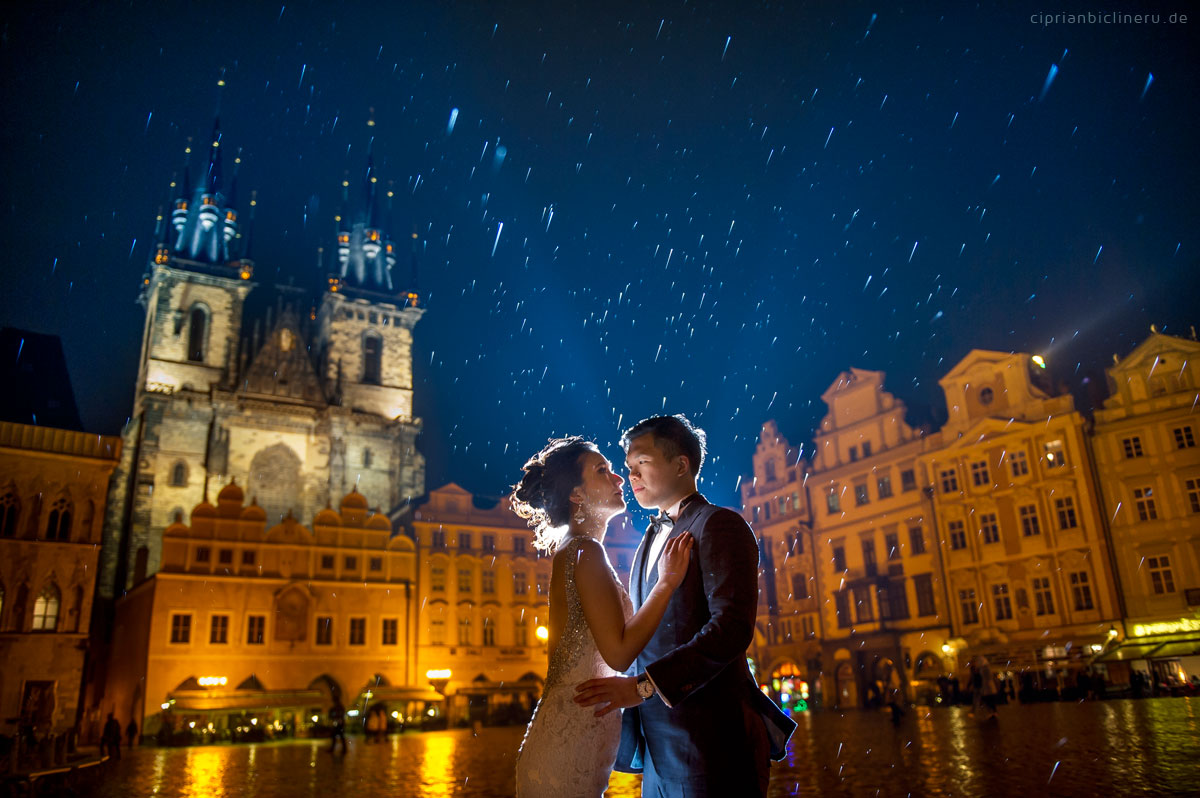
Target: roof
x: 37, y: 386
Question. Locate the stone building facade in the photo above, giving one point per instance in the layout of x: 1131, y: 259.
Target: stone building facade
x: 299, y: 404
x: 53, y: 487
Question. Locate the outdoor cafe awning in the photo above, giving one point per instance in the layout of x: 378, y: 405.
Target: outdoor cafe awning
x: 244, y: 700
x: 402, y: 693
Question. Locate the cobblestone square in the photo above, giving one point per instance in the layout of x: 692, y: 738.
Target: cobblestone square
x: 1114, y: 748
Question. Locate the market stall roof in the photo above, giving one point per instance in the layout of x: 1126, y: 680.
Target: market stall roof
x: 1177, y: 648
x: 210, y: 700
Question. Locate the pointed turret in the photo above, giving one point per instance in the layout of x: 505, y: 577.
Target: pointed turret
x: 366, y: 250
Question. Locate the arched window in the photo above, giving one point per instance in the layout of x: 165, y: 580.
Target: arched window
x: 197, y: 333
x: 45, y: 609
x: 58, y: 525
x: 10, y: 508
x: 366, y: 457
x: 179, y: 474
x: 372, y: 357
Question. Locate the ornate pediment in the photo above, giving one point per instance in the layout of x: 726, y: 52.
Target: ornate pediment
x: 282, y: 368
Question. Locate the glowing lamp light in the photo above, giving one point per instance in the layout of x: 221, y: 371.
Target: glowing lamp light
x: 1039, y: 361
x: 352, y: 713
x: 1112, y: 632
x: 946, y: 648
x: 192, y: 725
x: 395, y: 715
x: 165, y: 705
x: 314, y: 717
x: 212, y: 681
x: 438, y: 674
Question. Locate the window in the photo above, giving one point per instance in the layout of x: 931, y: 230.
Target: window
x: 437, y: 579
x: 58, y: 525
x: 218, y: 630
x: 839, y: 558
x: 842, y: 603
x: 1193, y: 493
x: 488, y: 581
x: 979, y: 474
x: 767, y: 511
x: 866, y: 448
x: 799, y: 586
x: 543, y: 583
x: 1184, y: 439
x: 949, y: 481
x: 1002, y: 602
x: 179, y: 474
x: 372, y: 353
x: 908, y: 480
x: 521, y: 632
x: 1081, y: 590
x: 181, y: 626
x: 755, y: 511
x: 868, y: 552
x: 489, y: 632
x: 833, y: 501
x: 196, y: 335
x: 519, y: 546
x: 225, y: 556
x: 884, y: 596
x: 437, y: 539
x: 256, y: 629
x: 464, y: 541
x: 986, y: 396
x: 1056, y: 456
x: 1043, y: 601
x: 923, y: 586
x: 464, y: 631
x: 437, y: 632
x: 898, y: 599
x: 1065, y: 507
x: 376, y: 564
x: 958, y: 535
x: 358, y: 631
x: 1161, y: 578
x: 853, y: 454
x: 327, y: 562
x: 1019, y: 464
x: 864, y: 612
x: 324, y: 630
x: 247, y: 558
x: 970, y: 609
x: 488, y: 544
x: 9, y: 510
x: 770, y: 469
x: 366, y: 460
x: 885, y: 487
x: 350, y: 563
x: 891, y: 542
x: 782, y: 505
x: 1144, y: 501
x: 989, y: 528
x: 916, y: 539
x: 520, y: 583
x: 1132, y: 447
x: 203, y: 554
x: 860, y: 495
x: 1030, y: 525
x: 464, y: 580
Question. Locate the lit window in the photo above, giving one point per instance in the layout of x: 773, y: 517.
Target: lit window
x: 181, y: 628
x: 1055, y: 454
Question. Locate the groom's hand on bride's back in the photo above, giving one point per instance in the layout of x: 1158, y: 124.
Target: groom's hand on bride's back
x: 614, y: 692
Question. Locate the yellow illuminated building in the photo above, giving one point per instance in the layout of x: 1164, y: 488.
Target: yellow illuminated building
x: 1017, y: 518
x: 53, y: 486
x: 484, y: 594
x: 251, y: 630
x: 786, y: 651
x: 883, y: 601
x: 1148, y: 461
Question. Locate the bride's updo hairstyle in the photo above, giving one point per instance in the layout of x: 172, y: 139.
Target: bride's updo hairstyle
x: 542, y: 497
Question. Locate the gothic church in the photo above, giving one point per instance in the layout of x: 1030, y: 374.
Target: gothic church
x: 311, y: 401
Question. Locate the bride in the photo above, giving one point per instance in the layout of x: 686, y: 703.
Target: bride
x: 568, y: 494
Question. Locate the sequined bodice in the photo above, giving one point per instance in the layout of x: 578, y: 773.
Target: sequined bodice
x: 576, y: 658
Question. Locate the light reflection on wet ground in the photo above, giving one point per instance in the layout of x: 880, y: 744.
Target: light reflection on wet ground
x: 1149, y: 747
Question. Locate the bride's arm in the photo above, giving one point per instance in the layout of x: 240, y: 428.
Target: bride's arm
x: 618, y: 641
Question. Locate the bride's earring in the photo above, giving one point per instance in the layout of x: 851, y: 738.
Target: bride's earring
x: 580, y: 517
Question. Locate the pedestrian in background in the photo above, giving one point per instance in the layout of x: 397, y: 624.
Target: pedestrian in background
x: 337, y: 719
x: 131, y: 732
x: 110, y: 737
x: 989, y: 693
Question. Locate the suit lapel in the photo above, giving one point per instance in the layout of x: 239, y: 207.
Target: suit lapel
x: 637, y: 577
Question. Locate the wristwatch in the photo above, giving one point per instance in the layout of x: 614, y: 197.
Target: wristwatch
x: 645, y: 688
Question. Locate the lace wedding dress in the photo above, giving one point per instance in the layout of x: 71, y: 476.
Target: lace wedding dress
x: 568, y: 752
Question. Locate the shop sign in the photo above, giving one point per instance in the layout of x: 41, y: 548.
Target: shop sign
x: 1166, y: 627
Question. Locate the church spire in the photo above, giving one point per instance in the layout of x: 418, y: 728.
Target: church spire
x: 366, y: 251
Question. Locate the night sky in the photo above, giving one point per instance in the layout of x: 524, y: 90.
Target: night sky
x: 708, y: 208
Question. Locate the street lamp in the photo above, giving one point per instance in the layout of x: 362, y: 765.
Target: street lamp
x: 542, y: 633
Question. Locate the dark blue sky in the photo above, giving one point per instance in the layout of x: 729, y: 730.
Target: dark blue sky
x: 708, y: 208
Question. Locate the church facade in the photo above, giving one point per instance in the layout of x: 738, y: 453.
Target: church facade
x: 311, y: 399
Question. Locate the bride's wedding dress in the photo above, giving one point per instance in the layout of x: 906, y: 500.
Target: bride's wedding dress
x: 568, y: 752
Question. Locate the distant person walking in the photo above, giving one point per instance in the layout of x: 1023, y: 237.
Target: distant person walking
x: 989, y: 694
x: 110, y: 737
x: 131, y: 732
x: 337, y: 718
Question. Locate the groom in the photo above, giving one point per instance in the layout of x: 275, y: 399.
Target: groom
x: 695, y: 722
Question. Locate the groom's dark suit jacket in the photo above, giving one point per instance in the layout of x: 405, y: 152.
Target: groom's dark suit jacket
x: 697, y: 661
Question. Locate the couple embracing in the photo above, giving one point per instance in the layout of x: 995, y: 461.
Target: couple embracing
x: 670, y: 652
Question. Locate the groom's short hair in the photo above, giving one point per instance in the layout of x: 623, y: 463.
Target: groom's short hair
x: 674, y: 436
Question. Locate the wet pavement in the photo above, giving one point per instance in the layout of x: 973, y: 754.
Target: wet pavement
x: 1149, y: 747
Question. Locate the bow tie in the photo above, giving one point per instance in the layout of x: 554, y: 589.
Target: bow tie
x: 660, y: 522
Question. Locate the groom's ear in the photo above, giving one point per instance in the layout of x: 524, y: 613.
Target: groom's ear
x: 683, y: 468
